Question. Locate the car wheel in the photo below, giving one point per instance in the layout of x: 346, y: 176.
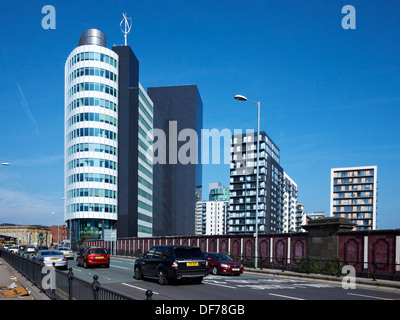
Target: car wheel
x: 215, y: 271
x: 138, y: 273
x: 162, y: 277
x: 85, y: 265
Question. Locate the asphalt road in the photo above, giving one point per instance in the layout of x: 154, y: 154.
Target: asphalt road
x: 119, y: 277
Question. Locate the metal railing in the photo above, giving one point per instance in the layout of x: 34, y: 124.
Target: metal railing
x: 67, y: 286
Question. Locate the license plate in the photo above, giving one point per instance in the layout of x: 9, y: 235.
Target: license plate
x: 99, y: 257
x: 192, y: 264
x: 235, y: 269
x: 54, y: 259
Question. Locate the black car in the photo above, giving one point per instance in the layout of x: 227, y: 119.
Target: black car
x: 166, y: 263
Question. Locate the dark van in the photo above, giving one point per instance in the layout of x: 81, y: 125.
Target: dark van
x: 166, y: 263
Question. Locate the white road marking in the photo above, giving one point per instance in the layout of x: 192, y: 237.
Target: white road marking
x: 279, y: 295
x: 100, y: 276
x: 119, y: 267
x: 362, y: 295
x: 218, y: 284
x: 139, y: 288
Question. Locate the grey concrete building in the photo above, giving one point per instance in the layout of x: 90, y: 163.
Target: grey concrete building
x: 177, y: 111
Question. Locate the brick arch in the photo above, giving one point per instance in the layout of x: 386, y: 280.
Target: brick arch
x: 263, y: 249
x: 223, y: 246
x: 280, y: 251
x: 235, y: 248
x: 298, y: 251
x: 203, y: 244
x: 212, y: 245
x: 351, y: 252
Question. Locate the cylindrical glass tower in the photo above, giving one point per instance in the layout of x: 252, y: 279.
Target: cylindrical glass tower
x: 91, y: 138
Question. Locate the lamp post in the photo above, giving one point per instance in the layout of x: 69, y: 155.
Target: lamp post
x: 243, y: 98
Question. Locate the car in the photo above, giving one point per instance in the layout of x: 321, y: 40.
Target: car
x: 21, y: 249
x: 38, y: 248
x: 170, y: 263
x: 29, y: 249
x: 13, y: 249
x: 68, y: 253
x: 7, y: 246
x: 220, y: 263
x: 93, y: 256
x: 48, y: 257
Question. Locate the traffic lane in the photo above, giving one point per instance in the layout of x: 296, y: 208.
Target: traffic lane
x: 307, y: 289
x: 120, y: 270
x: 218, y: 288
x: 257, y: 286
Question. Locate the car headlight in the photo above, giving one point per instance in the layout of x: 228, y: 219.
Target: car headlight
x: 223, y: 265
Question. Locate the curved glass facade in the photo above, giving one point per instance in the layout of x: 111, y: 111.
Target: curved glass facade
x: 91, y: 141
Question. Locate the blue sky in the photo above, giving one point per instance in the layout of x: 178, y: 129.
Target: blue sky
x: 329, y: 97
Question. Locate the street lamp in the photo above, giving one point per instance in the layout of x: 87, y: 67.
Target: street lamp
x: 243, y: 98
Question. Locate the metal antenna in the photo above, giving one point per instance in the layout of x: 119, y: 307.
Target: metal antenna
x: 127, y: 26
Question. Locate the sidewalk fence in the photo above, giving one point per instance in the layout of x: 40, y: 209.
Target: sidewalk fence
x: 67, y: 286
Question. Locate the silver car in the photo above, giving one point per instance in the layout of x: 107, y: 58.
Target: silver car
x: 13, y: 249
x: 67, y: 252
x: 48, y: 257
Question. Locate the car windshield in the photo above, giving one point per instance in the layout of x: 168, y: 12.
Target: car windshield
x: 97, y: 251
x: 51, y: 253
x: 188, y: 253
x: 221, y: 257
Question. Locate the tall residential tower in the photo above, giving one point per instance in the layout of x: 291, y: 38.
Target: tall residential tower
x: 354, y: 195
x: 243, y: 173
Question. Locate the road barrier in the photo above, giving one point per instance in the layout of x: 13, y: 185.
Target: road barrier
x: 60, y: 285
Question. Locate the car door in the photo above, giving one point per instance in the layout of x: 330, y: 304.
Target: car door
x: 145, y: 262
x: 158, y: 258
x: 80, y: 257
x: 210, y: 260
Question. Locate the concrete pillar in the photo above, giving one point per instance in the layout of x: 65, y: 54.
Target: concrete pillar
x: 323, y: 236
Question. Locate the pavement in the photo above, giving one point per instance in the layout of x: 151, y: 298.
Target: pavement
x: 10, y: 278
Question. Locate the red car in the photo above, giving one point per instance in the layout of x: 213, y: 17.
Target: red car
x: 93, y: 256
x: 220, y: 263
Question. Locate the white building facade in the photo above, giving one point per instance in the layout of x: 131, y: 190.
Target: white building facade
x: 289, y: 204
x: 91, y: 138
x: 216, y: 217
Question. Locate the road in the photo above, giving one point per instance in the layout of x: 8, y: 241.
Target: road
x: 248, y: 286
